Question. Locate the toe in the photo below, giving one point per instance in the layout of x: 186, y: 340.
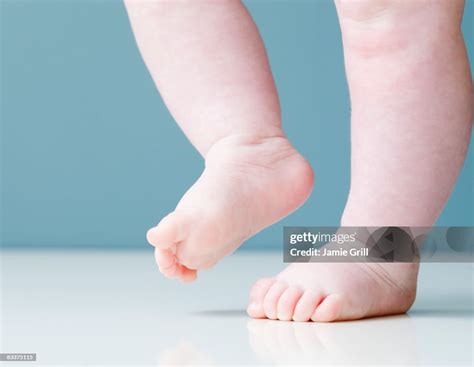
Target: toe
x: 164, y: 258
x: 270, y: 302
x: 170, y: 272
x: 329, y: 309
x: 170, y: 230
x: 188, y: 260
x: 306, y: 305
x: 167, y: 263
x: 151, y: 236
x: 257, y: 294
x: 185, y: 274
x: 287, y: 302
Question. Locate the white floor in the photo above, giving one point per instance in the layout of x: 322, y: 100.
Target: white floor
x: 114, y: 308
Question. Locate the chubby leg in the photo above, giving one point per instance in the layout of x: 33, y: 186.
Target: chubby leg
x: 210, y: 65
x: 411, y: 94
x: 412, y: 104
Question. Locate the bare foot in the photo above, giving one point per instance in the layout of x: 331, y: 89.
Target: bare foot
x: 325, y: 292
x: 248, y: 183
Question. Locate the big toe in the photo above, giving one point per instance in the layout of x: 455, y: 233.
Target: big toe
x: 257, y: 295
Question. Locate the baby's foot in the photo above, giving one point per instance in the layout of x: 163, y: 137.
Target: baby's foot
x: 327, y: 292
x: 248, y: 183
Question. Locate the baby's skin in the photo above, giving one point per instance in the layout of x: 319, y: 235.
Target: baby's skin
x: 411, y: 96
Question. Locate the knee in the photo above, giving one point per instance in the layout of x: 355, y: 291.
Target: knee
x: 374, y: 27
x: 363, y: 10
x: 154, y: 8
x: 372, y: 10
x: 139, y: 7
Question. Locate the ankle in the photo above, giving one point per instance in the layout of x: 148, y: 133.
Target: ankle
x: 235, y: 142
x: 253, y: 153
x: 252, y: 136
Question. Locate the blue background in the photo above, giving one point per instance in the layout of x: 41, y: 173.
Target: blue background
x: 91, y: 157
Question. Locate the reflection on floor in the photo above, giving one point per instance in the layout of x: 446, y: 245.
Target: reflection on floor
x: 97, y: 307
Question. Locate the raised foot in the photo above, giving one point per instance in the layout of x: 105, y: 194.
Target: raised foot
x: 248, y: 183
x: 324, y: 292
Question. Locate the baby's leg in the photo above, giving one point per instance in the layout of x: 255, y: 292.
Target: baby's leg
x: 210, y: 65
x: 411, y: 95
